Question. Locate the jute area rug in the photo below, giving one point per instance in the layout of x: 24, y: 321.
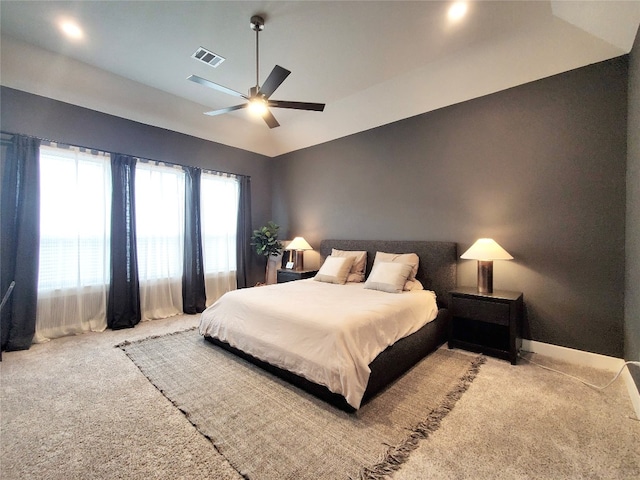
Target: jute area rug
x: 270, y: 430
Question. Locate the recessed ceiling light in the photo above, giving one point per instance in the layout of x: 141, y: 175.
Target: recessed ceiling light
x: 457, y: 11
x: 71, y: 29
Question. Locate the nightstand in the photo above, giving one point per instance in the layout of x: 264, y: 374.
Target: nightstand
x: 489, y: 323
x: 285, y: 275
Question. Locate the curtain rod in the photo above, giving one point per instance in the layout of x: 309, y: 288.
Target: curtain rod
x: 3, y: 132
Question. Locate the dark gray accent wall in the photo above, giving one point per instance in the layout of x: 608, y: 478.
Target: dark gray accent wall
x: 540, y: 168
x: 632, y: 290
x: 28, y: 114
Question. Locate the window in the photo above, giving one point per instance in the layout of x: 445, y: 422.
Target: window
x: 219, y: 196
x: 75, y: 212
x: 74, y: 250
x: 160, y: 238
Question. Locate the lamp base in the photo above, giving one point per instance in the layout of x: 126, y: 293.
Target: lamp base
x: 485, y: 276
x: 298, y: 262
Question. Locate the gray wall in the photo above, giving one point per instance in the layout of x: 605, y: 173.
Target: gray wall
x: 632, y: 290
x: 540, y: 168
x: 46, y: 118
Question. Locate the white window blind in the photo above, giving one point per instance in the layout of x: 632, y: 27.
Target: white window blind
x: 219, y: 196
x: 75, y: 211
x: 159, y: 191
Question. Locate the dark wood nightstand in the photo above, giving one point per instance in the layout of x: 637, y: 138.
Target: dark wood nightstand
x: 489, y: 323
x: 285, y: 275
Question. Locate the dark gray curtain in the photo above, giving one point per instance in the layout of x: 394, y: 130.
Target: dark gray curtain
x: 193, y: 291
x: 123, y: 306
x: 243, y: 235
x: 20, y: 229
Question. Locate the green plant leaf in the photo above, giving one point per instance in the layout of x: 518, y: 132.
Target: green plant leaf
x: 265, y: 240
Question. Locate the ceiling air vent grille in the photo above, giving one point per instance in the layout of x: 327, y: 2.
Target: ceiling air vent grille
x: 208, y: 57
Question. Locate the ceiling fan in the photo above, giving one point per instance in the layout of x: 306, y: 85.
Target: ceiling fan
x: 259, y: 97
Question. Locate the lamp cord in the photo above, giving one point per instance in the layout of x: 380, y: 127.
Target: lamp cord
x: 595, y: 387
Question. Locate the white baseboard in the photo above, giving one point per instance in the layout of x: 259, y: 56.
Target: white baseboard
x: 588, y: 359
x: 570, y: 355
x: 634, y: 394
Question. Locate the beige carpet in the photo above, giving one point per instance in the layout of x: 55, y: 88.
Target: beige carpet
x: 78, y: 408
x: 270, y: 430
x: 522, y: 422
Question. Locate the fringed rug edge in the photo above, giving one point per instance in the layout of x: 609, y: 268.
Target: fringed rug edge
x: 399, y: 454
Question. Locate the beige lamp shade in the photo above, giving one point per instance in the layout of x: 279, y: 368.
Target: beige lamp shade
x: 298, y: 243
x: 486, y: 249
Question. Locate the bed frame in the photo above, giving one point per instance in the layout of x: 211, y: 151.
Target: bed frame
x: 436, y: 271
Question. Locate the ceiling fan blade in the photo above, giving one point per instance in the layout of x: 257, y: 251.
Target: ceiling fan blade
x: 215, y: 86
x: 274, y: 80
x: 270, y: 120
x: 318, y: 107
x: 226, y: 110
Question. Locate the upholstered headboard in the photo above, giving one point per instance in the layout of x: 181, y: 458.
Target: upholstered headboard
x: 438, y: 260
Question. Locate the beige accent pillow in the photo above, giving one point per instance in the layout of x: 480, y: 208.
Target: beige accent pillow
x: 335, y: 270
x: 388, y: 277
x: 359, y: 264
x: 413, y: 285
x: 408, y: 258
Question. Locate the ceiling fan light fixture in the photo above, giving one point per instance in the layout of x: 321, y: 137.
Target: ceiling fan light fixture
x: 258, y: 107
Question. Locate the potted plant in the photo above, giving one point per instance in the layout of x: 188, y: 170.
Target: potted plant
x: 266, y: 243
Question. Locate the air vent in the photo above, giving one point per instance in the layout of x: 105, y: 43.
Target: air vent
x: 208, y: 57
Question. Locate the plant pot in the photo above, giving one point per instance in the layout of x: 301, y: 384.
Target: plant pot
x: 271, y: 273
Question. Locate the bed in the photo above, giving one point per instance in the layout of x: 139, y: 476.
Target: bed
x: 371, y: 371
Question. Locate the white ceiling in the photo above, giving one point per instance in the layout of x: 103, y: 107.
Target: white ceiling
x: 371, y: 62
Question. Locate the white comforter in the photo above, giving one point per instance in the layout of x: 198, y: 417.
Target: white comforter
x: 326, y: 333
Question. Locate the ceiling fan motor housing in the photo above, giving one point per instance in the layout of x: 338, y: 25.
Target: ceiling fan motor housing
x: 253, y: 92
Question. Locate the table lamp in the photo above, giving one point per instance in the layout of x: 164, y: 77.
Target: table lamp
x: 485, y: 251
x: 298, y: 245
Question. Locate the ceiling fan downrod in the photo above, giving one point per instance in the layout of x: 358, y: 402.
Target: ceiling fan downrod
x: 257, y: 24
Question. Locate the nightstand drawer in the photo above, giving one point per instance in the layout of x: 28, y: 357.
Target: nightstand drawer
x: 485, y: 311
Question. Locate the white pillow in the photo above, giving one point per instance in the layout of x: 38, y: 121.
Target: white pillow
x: 359, y: 264
x: 408, y: 258
x: 388, y: 277
x: 335, y: 270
